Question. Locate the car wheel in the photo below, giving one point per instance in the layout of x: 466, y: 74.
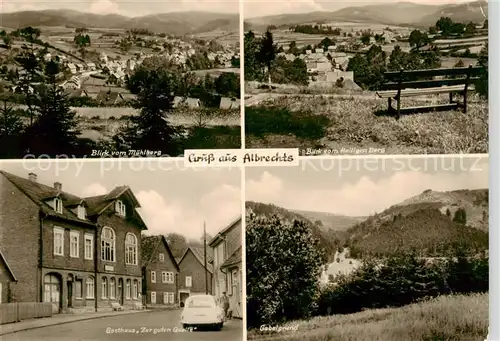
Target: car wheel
x: 185, y: 326
x: 219, y: 326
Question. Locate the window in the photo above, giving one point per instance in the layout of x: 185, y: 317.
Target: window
x: 78, y: 289
x: 58, y: 241
x: 120, y: 208
x: 108, y: 244
x: 58, y: 206
x: 189, y: 281
x: 81, y: 212
x: 161, y: 256
x: 135, y: 289
x: 171, y: 299
x: 167, y: 277
x: 112, y: 288
x: 90, y: 286
x: 131, y: 249
x: 153, y: 277
x: 89, y: 246
x: 74, y: 244
x: 104, y: 292
x: 153, y: 297
x: 165, y: 298
x: 127, y: 289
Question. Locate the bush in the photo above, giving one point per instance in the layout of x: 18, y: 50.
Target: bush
x: 260, y: 121
x: 282, y: 279
x: 218, y: 137
x: 403, y: 279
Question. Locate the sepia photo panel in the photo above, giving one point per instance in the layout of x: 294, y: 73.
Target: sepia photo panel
x: 367, y: 77
x: 385, y: 248
x: 113, y: 78
x: 120, y: 249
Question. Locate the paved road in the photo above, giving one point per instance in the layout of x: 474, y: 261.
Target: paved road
x: 160, y: 325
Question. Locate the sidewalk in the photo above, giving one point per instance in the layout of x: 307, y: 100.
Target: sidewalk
x: 62, y: 319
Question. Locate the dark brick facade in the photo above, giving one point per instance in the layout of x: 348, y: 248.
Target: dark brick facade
x: 27, y: 241
x: 166, y: 272
x: 191, y: 265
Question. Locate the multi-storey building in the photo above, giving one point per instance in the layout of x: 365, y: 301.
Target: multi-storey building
x: 227, y: 265
x: 160, y: 272
x: 77, y: 253
x: 194, y: 278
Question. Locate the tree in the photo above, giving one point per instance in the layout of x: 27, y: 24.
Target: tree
x: 267, y: 52
x: 418, y: 39
x: 460, y: 216
x: 177, y: 244
x: 366, y: 37
x: 482, y: 84
x: 228, y: 84
x: 11, y: 130
x: 292, y: 48
x: 470, y: 28
x: 282, y: 278
x: 55, y: 130
x: 154, y: 88
x: 445, y: 25
x: 7, y: 40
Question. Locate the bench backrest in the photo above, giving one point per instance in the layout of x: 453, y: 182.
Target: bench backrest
x: 410, y: 79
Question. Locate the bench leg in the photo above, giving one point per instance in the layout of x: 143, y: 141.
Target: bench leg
x: 465, y: 102
x: 389, y: 104
x: 451, y: 97
x: 398, y: 114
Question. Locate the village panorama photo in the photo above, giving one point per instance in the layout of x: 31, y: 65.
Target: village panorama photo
x: 110, y: 78
x: 367, y: 77
x: 94, y: 253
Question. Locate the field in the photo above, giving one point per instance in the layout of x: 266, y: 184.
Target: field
x: 102, y: 123
x: 353, y: 125
x: 447, y: 318
x: 221, y: 37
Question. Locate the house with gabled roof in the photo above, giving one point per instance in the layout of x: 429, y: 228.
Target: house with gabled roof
x: 160, y: 272
x: 77, y: 253
x: 6, y: 278
x: 227, y: 265
x: 194, y: 277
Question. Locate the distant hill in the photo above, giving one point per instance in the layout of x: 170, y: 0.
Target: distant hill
x: 400, y: 13
x: 175, y: 23
x: 328, y: 240
x: 425, y: 223
x: 330, y: 221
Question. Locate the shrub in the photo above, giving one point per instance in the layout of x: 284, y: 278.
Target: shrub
x: 221, y: 137
x: 282, y: 279
x: 403, y: 279
x: 260, y: 121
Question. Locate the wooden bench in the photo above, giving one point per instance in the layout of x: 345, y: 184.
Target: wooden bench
x: 116, y: 306
x: 403, y: 83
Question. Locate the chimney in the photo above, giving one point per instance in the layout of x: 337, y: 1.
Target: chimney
x: 32, y: 177
x: 58, y: 186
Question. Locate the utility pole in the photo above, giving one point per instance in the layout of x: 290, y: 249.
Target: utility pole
x: 205, y: 256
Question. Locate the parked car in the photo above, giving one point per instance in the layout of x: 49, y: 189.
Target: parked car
x: 202, y: 310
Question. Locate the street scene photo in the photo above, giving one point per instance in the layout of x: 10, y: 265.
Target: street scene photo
x: 120, y: 251
x: 359, y: 77
x: 110, y: 78
x: 384, y: 249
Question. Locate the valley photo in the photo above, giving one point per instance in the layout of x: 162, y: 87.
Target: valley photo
x: 382, y: 77
x: 368, y: 249
x: 101, y: 78
x: 108, y: 252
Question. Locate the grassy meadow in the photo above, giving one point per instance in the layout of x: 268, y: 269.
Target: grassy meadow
x: 358, y: 122
x: 446, y: 318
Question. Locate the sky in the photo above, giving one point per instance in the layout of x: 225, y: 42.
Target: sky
x: 360, y: 187
x: 124, y: 7
x: 257, y: 8
x: 172, y: 198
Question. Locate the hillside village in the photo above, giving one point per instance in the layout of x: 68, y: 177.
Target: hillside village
x: 102, y: 81
x: 98, y: 70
